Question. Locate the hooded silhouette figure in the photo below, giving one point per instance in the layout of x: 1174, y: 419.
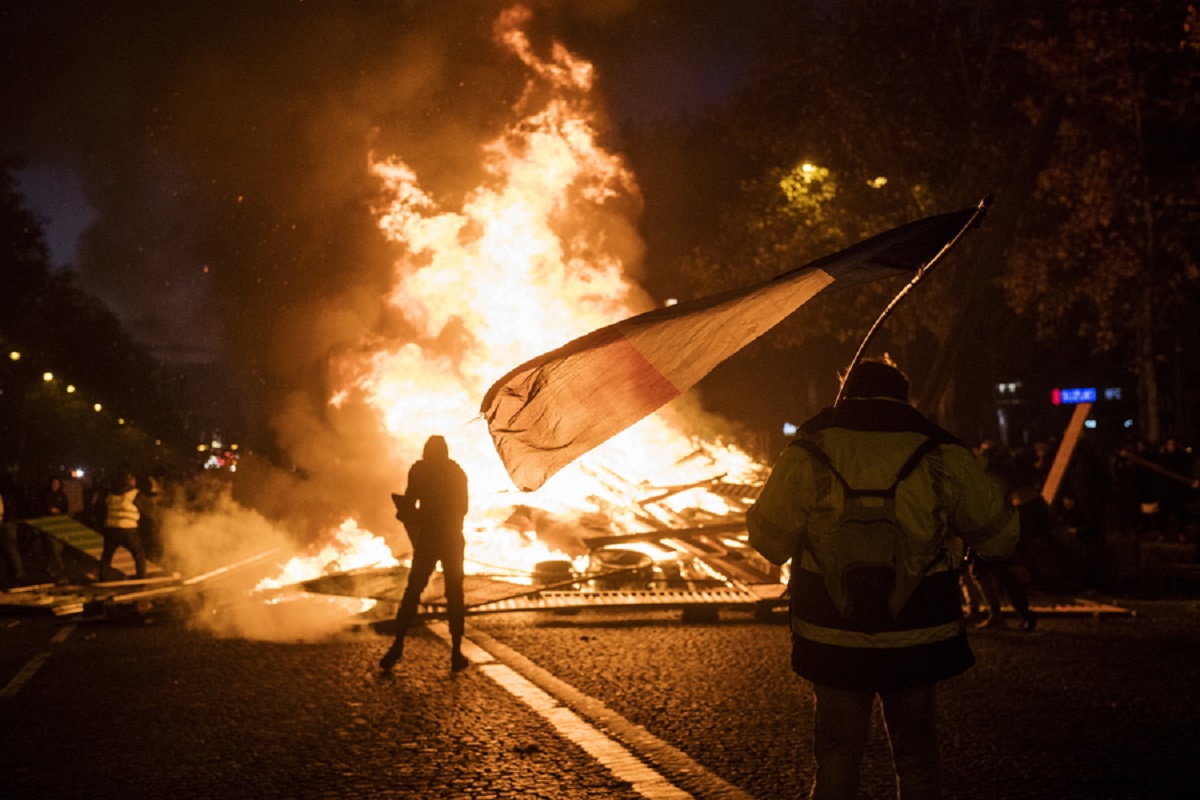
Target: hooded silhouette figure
x: 437, y: 497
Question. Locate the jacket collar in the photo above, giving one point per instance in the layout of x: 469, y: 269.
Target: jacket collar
x: 878, y: 414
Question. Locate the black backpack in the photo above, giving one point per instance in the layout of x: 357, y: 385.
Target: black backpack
x: 865, y: 581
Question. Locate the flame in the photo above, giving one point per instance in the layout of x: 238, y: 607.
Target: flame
x: 351, y: 548
x: 538, y: 253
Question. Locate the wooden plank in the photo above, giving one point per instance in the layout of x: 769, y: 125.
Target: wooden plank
x: 1065, y: 448
x: 1159, y: 468
x: 667, y: 533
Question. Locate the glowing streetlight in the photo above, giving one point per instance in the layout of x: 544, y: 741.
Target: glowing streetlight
x: 70, y: 388
x: 97, y: 407
x: 13, y: 355
x: 47, y: 376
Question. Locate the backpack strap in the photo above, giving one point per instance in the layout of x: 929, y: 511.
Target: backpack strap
x: 913, y: 460
x: 811, y: 448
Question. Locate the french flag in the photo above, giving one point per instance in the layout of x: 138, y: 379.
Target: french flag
x: 554, y: 408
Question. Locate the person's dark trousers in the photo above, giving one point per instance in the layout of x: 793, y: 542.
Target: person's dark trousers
x: 996, y: 577
x: 15, y: 569
x: 843, y: 724
x: 452, y: 572
x: 425, y: 560
x: 1012, y: 586
x: 131, y: 540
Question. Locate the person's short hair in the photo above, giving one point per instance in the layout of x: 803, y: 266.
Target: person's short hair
x: 876, y: 377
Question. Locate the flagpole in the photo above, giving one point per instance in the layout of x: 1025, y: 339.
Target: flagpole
x: 980, y: 210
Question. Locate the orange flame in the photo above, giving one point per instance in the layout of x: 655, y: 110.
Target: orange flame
x: 537, y: 254
x: 351, y: 548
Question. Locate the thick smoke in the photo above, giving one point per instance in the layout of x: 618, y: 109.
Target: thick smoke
x: 227, y: 550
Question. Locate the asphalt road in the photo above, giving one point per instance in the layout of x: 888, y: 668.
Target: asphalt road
x: 1105, y: 707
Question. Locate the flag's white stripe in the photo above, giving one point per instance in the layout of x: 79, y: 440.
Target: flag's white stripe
x: 720, y: 331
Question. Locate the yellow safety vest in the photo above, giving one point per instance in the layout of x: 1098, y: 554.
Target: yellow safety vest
x: 121, y: 510
x: 947, y: 501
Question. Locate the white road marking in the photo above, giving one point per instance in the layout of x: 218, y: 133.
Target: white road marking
x: 35, y: 663
x: 62, y: 634
x: 24, y: 675
x: 623, y: 762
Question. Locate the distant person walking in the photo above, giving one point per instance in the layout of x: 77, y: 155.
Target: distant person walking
x: 432, y: 510
x: 872, y: 503
x: 995, y: 577
x: 14, y: 573
x: 54, y: 500
x: 123, y: 512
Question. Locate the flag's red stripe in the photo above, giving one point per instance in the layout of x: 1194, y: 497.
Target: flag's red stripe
x: 560, y: 410
x: 628, y: 381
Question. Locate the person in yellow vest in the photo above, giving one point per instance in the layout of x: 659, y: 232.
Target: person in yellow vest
x: 123, y: 511
x: 873, y: 504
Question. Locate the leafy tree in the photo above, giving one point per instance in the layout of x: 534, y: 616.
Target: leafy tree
x: 1078, y: 116
x: 865, y: 116
x: 1112, y: 251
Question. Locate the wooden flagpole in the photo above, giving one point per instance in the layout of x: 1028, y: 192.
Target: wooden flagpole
x: 980, y: 210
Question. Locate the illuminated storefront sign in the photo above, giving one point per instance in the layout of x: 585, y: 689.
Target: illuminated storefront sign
x: 1072, y: 396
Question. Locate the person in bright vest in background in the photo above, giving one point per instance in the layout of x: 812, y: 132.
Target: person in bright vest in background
x: 123, y: 511
x: 873, y: 504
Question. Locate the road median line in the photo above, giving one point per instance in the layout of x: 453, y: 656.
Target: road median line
x: 638, y: 744
x: 21, y: 678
